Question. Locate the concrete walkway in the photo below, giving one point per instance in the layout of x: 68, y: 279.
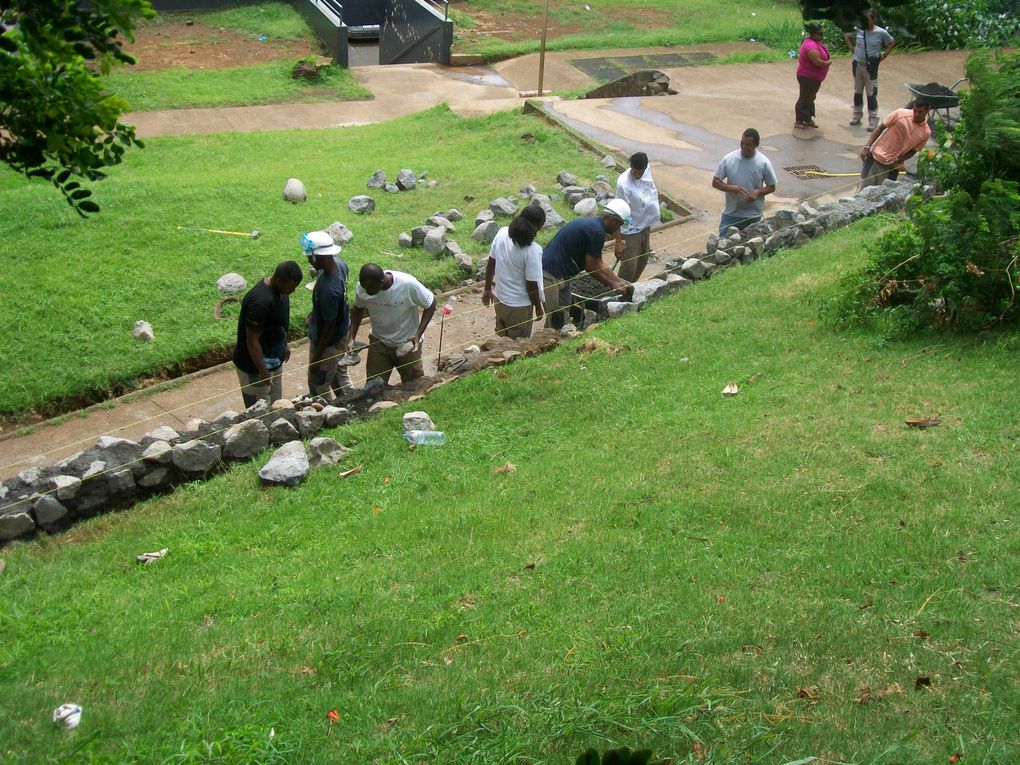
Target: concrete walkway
x: 684, y: 135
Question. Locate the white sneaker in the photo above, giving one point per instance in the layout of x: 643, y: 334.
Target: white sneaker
x: 872, y: 123
x: 855, y: 120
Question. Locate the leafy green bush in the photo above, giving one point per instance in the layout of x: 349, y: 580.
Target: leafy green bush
x: 961, y: 24
x: 954, y: 262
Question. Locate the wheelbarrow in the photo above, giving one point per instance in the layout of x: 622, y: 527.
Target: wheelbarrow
x: 940, y: 98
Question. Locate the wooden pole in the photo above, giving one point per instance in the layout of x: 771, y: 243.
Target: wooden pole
x: 541, y: 50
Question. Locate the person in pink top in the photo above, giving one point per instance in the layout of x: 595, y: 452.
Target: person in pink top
x: 896, y: 139
x: 812, y: 66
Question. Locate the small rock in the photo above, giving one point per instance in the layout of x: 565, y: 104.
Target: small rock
x: 65, y: 486
x: 158, y: 452
x: 281, y: 431
x: 195, y: 456
x: 361, y: 204
x: 566, y: 179
x: 617, y: 309
x: 391, y: 188
x: 608, y: 161
x: 120, y: 481
x: 294, y: 191
x: 304, y: 70
x: 225, y: 420
x: 501, y: 206
x: 404, y: 240
x: 245, y: 439
x: 406, y: 180
x: 439, y: 220
x: 380, y: 406
x: 454, y: 215
x: 162, y: 433
x: 693, y: 269
x: 143, y: 331
x: 418, y: 421
x: 287, y: 467
x: 231, y: 284
x: 435, y: 241
x: 309, y: 422
x: 486, y: 232
x: 586, y: 208
x: 14, y: 525
x: 335, y: 415
x: 342, y: 236
x: 568, y: 329
x: 155, y: 478
x: 325, y: 451
x: 282, y: 405
x: 484, y: 217
x: 377, y: 181
x: 48, y: 510
x: 472, y: 349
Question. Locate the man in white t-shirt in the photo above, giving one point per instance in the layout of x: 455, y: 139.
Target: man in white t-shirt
x: 746, y: 176
x: 515, y: 264
x: 392, y: 300
x: 636, y: 187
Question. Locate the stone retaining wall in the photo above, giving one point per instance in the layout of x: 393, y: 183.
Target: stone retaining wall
x: 116, y: 472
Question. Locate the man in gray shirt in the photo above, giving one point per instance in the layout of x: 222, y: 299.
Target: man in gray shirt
x: 870, y: 47
x: 746, y: 175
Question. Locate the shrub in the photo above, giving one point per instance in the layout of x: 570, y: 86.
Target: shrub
x: 961, y: 24
x: 954, y: 262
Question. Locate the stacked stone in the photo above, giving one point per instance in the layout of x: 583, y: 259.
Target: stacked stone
x: 116, y: 472
x: 432, y: 236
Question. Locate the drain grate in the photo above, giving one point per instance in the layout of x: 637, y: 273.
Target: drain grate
x: 806, y: 172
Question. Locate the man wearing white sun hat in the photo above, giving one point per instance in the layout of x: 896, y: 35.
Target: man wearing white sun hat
x: 330, y: 319
x: 577, y: 247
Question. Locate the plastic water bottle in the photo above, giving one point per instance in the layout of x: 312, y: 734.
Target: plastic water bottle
x: 430, y: 437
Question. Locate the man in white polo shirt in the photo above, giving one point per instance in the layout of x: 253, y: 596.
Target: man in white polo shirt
x: 636, y: 187
x: 392, y: 300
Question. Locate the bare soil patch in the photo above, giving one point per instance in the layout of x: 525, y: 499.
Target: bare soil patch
x: 513, y: 25
x: 175, y: 44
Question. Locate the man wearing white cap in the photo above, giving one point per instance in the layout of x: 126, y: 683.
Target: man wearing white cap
x: 392, y: 300
x: 578, y: 247
x: 330, y: 320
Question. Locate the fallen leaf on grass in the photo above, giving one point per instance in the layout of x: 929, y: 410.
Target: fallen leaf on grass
x: 333, y: 716
x: 921, y: 634
x: 507, y: 468
x: 731, y: 389
x: 720, y: 598
x: 956, y: 757
x: 387, y: 479
x: 922, y: 682
x: 923, y: 422
x: 462, y: 638
x: 808, y: 693
x: 376, y: 509
x: 529, y: 566
x: 352, y: 471
x: 151, y: 557
x: 865, y: 694
x: 699, y: 751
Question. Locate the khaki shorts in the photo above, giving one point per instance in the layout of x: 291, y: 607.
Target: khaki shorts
x: 636, y: 249
x: 557, y: 293
x: 268, y: 391
x: 382, y: 359
x: 513, y: 321
x: 331, y: 379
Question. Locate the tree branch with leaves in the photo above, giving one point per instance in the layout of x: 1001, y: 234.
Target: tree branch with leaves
x: 57, y: 122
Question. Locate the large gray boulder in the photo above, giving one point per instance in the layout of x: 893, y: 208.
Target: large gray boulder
x: 418, y: 234
x: 195, y: 456
x: 65, y: 487
x: 439, y: 220
x: 574, y: 194
x: 484, y: 217
x: 361, y: 204
x: 155, y: 478
x: 120, y: 482
x: 616, y: 309
x: 245, y: 439
x: 231, y: 284
x: 162, y: 433
x: 287, y: 467
x: 404, y: 240
x: 586, y: 208
x: 693, y: 269
x: 566, y: 179
x: 158, y: 453
x: 335, y: 415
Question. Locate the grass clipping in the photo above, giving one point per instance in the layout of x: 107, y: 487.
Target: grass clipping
x: 593, y: 344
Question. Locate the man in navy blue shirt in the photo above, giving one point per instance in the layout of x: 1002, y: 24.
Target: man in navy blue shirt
x: 330, y: 319
x: 578, y: 247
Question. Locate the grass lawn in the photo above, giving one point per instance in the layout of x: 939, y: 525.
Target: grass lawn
x: 72, y: 289
x: 484, y: 26
x: 787, y: 574
x: 247, y: 85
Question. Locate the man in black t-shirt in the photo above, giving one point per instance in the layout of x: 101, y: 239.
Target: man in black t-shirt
x: 261, y: 348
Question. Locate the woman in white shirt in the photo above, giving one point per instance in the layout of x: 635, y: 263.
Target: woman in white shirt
x: 515, y: 264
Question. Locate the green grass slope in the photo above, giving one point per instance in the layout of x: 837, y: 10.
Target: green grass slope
x: 763, y: 578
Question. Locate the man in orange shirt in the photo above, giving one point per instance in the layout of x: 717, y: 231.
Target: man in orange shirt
x: 899, y: 137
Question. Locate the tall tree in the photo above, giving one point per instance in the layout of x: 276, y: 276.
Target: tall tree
x: 56, y: 120
x: 845, y: 14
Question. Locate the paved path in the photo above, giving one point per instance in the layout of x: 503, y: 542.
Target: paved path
x: 684, y: 136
